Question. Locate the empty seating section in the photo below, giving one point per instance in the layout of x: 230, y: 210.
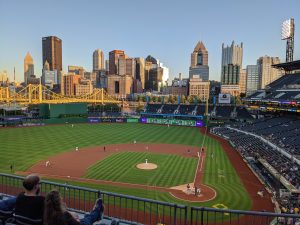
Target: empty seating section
x: 153, y: 108
x: 169, y: 109
x: 250, y: 146
x: 283, y: 95
x: 186, y: 109
x: 285, y: 80
x: 224, y: 111
x: 243, y: 113
x: 201, y: 110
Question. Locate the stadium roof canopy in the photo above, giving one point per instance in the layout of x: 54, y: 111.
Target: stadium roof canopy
x: 289, y: 66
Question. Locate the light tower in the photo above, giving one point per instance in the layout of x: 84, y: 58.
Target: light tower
x: 287, y: 33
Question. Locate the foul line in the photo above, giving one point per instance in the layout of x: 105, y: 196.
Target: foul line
x: 199, y: 158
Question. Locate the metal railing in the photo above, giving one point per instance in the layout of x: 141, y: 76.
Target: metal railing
x: 123, y: 207
x: 211, y: 216
x: 146, y: 211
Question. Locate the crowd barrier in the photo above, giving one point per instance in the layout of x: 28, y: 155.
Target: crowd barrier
x: 147, y: 211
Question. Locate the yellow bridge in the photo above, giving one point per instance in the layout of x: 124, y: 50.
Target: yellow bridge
x: 38, y: 94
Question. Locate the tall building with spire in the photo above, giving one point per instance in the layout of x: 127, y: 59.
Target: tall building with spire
x: 232, y: 58
x: 98, y: 60
x: 199, y: 62
x: 52, y: 52
x: 28, y: 67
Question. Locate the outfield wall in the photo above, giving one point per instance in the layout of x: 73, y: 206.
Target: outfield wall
x: 62, y: 110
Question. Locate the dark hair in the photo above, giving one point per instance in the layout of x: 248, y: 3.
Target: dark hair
x: 53, y: 212
x: 30, y: 182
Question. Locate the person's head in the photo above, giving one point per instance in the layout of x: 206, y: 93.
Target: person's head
x: 31, y: 184
x: 54, y: 210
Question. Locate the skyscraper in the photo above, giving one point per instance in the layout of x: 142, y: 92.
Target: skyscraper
x: 114, y: 60
x: 252, y: 79
x: 126, y: 66
x: 267, y: 74
x: 28, y: 67
x: 155, y: 74
x: 232, y: 58
x: 140, y: 70
x: 98, y: 60
x: 243, y: 80
x: 52, y: 52
x: 199, y: 62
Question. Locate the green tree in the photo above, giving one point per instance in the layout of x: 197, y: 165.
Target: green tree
x: 154, y: 99
x: 242, y: 95
x: 166, y: 99
x: 190, y: 99
x: 159, y: 99
x: 183, y: 99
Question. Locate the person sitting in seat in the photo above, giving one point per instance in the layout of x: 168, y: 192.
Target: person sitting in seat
x: 56, y: 212
x: 30, y: 204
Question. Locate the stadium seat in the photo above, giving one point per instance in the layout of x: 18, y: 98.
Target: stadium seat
x: 21, y: 220
x: 4, y: 215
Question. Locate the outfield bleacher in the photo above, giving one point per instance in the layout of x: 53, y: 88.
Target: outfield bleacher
x: 218, y: 111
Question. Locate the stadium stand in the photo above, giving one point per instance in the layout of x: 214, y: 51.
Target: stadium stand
x: 281, y: 95
x: 283, y: 131
x: 224, y: 111
x: 152, y: 108
x: 243, y: 113
x: 215, y: 111
x: 250, y: 146
x: 186, y: 109
x: 169, y: 109
x: 285, y: 81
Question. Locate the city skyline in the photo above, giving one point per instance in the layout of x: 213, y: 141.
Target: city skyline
x: 174, y: 38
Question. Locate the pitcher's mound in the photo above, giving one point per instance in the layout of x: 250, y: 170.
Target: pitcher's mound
x: 146, y: 166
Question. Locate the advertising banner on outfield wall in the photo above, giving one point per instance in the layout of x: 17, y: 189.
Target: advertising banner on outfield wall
x: 132, y: 120
x: 111, y: 120
x: 94, y: 120
x: 176, y: 122
x: 143, y: 120
x: 199, y: 123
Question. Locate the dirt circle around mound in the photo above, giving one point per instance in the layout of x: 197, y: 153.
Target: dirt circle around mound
x: 146, y: 166
x: 73, y: 165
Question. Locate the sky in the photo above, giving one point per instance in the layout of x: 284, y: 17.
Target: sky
x: 165, y: 29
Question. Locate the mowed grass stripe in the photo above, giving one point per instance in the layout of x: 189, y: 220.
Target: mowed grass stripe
x: 24, y: 147
x: 121, y: 167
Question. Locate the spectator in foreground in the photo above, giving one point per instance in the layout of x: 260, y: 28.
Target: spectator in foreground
x: 29, y: 203
x: 56, y: 212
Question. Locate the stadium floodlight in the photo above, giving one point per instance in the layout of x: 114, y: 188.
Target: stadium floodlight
x: 287, y: 30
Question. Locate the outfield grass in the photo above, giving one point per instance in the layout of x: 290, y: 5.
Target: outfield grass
x: 172, y: 170
x: 24, y: 147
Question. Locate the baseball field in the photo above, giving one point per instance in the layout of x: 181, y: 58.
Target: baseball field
x: 114, y: 168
